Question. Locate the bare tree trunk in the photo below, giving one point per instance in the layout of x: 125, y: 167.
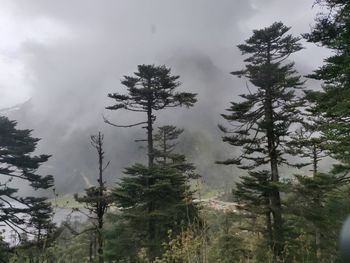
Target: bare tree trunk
x: 101, y: 203
x: 151, y: 223
x: 315, y: 160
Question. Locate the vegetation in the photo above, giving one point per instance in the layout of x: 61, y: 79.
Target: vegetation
x: 155, y: 197
x: 96, y: 198
x: 283, y: 209
x: 29, y: 216
x: 263, y: 119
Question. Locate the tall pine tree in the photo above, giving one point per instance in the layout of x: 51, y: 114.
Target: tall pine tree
x: 332, y: 31
x: 307, y: 143
x: 263, y: 117
x: 149, y: 194
x: 332, y: 106
x: 153, y: 88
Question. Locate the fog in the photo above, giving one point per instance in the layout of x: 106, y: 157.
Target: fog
x: 60, y: 59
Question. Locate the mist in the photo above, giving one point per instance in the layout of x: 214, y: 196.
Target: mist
x: 62, y: 58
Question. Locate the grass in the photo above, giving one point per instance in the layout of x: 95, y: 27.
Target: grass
x: 65, y: 201
x: 204, y: 190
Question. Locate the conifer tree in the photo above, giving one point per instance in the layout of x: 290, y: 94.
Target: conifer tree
x: 151, y: 195
x: 171, y: 199
x: 153, y: 88
x: 252, y: 192
x: 43, y: 233
x: 41, y: 220
x: 312, y: 192
x: 308, y: 143
x: 164, y: 139
x: 332, y: 31
x: 165, y: 142
x: 96, y: 198
x: 263, y: 117
x: 122, y: 241
x: 18, y: 164
x: 309, y: 205
x: 332, y: 102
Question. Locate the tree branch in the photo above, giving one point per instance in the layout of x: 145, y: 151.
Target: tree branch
x: 122, y: 126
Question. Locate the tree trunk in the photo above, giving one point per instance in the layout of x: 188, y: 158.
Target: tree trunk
x: 317, y: 230
x: 100, y: 202
x: 90, y: 251
x: 164, y: 146
x: 151, y: 223
x: 95, y: 246
x: 100, y: 240
x: 275, y: 198
x: 150, y: 135
x: 100, y: 248
x: 315, y: 160
x: 268, y: 223
x: 318, y: 245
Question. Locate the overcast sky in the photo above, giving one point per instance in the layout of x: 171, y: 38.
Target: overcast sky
x: 66, y: 55
x: 88, y: 39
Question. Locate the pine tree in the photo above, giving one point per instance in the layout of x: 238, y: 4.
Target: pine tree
x: 169, y: 195
x: 308, y: 143
x: 43, y: 233
x: 332, y: 102
x: 19, y: 165
x: 310, y: 206
x: 122, y: 241
x: 153, y: 88
x: 332, y: 31
x: 165, y: 142
x: 252, y: 192
x: 164, y: 138
x: 96, y: 198
x: 264, y: 116
x: 151, y: 195
x: 41, y: 220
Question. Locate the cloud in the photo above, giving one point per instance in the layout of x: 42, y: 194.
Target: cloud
x: 67, y: 55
